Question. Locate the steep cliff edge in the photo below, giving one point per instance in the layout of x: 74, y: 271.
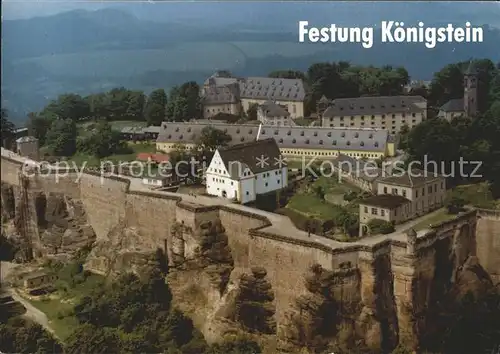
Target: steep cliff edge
x: 44, y: 224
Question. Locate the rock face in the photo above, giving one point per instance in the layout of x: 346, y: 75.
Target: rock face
x: 121, y: 251
x: 44, y: 224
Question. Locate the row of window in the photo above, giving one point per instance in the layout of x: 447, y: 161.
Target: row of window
x: 329, y: 153
x: 403, y: 115
x: 430, y: 189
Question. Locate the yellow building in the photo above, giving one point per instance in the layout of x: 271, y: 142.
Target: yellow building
x: 384, y: 112
x: 294, y: 142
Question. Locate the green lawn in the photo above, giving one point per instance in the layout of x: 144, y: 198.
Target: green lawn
x: 92, y: 161
x: 332, y: 185
x: 308, y: 203
x: 440, y: 216
x: 58, y: 306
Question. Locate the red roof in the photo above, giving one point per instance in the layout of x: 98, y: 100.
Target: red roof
x: 145, y: 156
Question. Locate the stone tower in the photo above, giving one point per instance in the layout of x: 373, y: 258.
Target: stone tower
x: 27, y: 146
x: 470, y: 90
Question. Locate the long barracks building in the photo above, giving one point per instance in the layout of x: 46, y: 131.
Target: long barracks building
x: 294, y: 142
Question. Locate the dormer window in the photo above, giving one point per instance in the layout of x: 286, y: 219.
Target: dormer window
x: 294, y: 141
x: 362, y: 143
x: 329, y: 134
x: 302, y: 133
x: 321, y: 142
x: 348, y: 143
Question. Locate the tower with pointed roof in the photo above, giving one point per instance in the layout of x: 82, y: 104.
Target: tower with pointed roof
x: 322, y: 105
x: 470, y: 90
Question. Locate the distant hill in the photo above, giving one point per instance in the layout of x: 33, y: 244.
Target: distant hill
x: 144, y: 45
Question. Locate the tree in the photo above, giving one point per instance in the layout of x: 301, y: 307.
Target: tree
x: 61, y: 138
x: 184, y: 102
x: 455, y: 204
x: 254, y: 308
x: 155, y: 107
x: 403, y: 137
x: 252, y: 111
x: 287, y: 74
x: 7, y: 130
x: 379, y: 226
x: 38, y: 127
x: 68, y: 106
x: 102, y: 142
x: 319, y: 191
x: 212, y: 138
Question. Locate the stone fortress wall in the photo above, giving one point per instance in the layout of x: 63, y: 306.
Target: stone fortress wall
x: 403, y: 268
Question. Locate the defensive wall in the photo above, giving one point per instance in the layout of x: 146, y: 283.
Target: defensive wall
x: 404, y: 268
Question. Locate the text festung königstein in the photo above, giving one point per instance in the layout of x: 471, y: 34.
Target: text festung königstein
x: 391, y: 32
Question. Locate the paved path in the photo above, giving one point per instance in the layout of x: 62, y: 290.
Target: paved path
x: 31, y: 311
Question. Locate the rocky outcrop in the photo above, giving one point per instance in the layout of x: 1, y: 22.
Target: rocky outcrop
x: 123, y: 250
x: 44, y: 224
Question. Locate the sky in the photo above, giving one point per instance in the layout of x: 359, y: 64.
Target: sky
x: 22, y: 9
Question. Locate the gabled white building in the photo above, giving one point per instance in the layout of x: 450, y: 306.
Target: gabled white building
x: 241, y: 172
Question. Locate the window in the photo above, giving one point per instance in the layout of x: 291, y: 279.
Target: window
x: 385, y: 190
x: 404, y: 193
x: 416, y: 194
x: 374, y: 211
x: 423, y: 192
x: 429, y: 189
x: 366, y: 209
x: 382, y: 212
x: 435, y: 188
x: 266, y: 184
x: 248, y: 193
x: 395, y: 191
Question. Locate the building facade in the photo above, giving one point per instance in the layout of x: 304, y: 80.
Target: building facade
x: 390, y: 113
x: 28, y: 146
x: 236, y: 95
x: 270, y: 113
x: 403, y: 197
x: 391, y: 208
x: 468, y: 104
x: 294, y: 142
x: 424, y: 189
x: 243, y: 171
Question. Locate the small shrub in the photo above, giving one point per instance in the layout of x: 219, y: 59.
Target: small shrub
x: 378, y: 226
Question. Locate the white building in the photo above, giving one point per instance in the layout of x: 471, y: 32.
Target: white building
x: 241, y: 172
